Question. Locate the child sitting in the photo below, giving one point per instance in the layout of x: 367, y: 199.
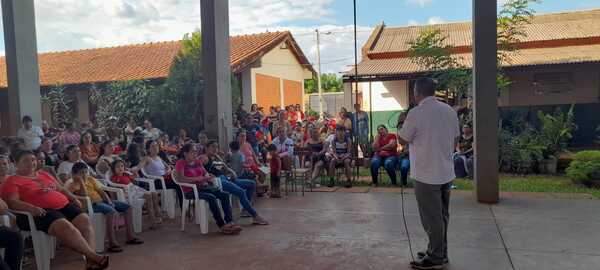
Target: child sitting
x: 275, y: 167
x: 121, y: 176
x: 84, y: 185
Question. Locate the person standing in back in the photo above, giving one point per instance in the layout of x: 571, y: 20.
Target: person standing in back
x: 432, y: 130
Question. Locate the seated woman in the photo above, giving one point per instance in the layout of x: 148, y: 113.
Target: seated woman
x: 52, y: 158
x: 12, y: 243
x: 89, y: 150
x: 339, y: 155
x: 86, y: 186
x: 463, y: 155
x: 72, y: 156
x: 242, y: 188
x: 106, y: 158
x: 318, y: 149
x: 386, y: 154
x: 41, y: 163
x: 189, y: 169
x: 154, y: 165
x: 250, y: 158
x: 56, y: 211
x: 4, y: 166
x: 152, y: 201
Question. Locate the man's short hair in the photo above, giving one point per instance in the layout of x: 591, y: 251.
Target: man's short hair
x: 78, y: 167
x: 340, y: 127
x: 425, y: 86
x: 26, y: 118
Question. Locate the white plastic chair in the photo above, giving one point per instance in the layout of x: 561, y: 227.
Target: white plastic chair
x: 136, y: 204
x: 167, y: 196
x: 4, y: 221
x: 98, y: 219
x: 43, y: 244
x: 200, y: 206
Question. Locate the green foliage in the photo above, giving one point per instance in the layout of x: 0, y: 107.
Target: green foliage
x: 61, y: 105
x: 329, y: 83
x: 519, y: 149
x: 432, y: 51
x: 122, y: 100
x: 177, y: 103
x: 513, y: 16
x: 556, y: 130
x: 585, y: 166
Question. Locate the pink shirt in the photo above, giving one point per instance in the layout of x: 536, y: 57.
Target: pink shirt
x: 190, y: 170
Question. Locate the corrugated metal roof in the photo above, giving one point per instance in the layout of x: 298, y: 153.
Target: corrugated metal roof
x: 557, y: 26
x: 528, y: 57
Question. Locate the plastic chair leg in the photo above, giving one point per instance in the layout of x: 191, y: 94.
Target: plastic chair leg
x: 184, y: 210
x: 202, y: 205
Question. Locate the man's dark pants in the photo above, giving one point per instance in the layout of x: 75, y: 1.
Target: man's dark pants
x: 434, y: 201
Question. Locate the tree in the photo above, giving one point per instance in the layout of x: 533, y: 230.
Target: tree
x: 175, y: 104
x: 431, y: 51
x: 329, y: 83
x: 61, y: 105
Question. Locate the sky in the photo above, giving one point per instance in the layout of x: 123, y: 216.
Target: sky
x: 80, y: 24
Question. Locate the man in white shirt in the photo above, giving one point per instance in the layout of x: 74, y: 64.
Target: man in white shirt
x: 150, y: 133
x: 285, y: 148
x: 32, y: 135
x: 432, y: 130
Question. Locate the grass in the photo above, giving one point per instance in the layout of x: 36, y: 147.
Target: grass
x: 514, y: 183
x: 534, y: 183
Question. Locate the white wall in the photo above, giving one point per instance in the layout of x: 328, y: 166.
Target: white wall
x: 386, y: 96
x: 279, y: 63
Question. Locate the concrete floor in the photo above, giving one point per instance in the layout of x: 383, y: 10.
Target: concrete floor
x: 365, y: 231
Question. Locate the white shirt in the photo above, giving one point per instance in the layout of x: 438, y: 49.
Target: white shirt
x: 32, y: 137
x: 151, y: 134
x: 65, y: 168
x: 431, y: 130
x: 284, y: 147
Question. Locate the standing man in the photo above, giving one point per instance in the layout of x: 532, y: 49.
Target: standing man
x: 30, y: 134
x: 431, y: 129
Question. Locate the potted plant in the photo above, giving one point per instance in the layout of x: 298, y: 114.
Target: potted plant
x: 585, y: 168
x: 554, y: 134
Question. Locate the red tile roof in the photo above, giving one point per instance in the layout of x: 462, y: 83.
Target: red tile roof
x: 145, y: 61
x: 569, y: 37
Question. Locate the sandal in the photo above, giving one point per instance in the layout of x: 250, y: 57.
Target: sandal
x: 115, y: 249
x: 134, y: 241
x: 228, y: 230
x: 103, y: 264
x: 258, y: 220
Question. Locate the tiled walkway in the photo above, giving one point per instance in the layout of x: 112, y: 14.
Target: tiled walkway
x: 363, y: 230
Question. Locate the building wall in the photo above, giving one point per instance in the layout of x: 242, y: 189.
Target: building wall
x: 279, y: 63
x: 4, y: 118
x: 553, y: 85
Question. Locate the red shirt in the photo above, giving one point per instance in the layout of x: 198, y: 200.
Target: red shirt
x: 383, y: 141
x: 124, y: 179
x: 193, y: 170
x: 41, y: 192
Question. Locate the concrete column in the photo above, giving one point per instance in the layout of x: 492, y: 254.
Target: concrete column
x: 22, y: 71
x: 348, y: 94
x: 216, y: 70
x: 485, y: 105
x: 246, y: 82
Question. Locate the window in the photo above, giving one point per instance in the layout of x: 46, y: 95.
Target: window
x: 553, y: 83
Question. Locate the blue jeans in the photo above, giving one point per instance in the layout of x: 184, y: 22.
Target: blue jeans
x: 389, y: 163
x: 211, y: 196
x: 404, y: 164
x: 243, y: 189
x: 106, y: 208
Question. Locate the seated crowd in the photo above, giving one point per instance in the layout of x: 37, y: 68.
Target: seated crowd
x: 47, y: 171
